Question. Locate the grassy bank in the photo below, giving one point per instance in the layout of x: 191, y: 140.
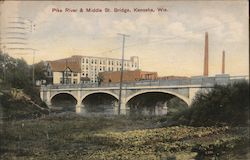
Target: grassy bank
x: 74, y: 137
x: 16, y: 105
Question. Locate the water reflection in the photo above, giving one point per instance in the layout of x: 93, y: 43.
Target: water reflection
x: 108, y: 110
x: 97, y: 110
x: 148, y: 110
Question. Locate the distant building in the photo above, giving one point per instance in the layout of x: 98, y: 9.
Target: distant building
x: 87, y: 67
x: 128, y: 76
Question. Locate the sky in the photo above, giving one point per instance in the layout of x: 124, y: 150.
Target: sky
x: 169, y: 42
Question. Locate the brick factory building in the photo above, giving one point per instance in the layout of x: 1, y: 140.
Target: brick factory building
x: 128, y: 76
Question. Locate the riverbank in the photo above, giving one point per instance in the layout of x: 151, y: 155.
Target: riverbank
x: 17, y: 105
x: 70, y: 136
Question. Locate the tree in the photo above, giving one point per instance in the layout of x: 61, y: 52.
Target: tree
x: 222, y: 105
x: 100, y: 79
x: 40, y: 71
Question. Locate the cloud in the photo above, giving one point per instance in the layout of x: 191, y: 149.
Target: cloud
x: 124, y: 26
x: 46, y: 18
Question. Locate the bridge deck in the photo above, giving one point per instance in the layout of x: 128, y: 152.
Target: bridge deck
x: 175, y: 83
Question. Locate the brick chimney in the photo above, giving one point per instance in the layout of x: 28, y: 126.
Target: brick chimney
x: 223, y: 62
x: 205, y: 72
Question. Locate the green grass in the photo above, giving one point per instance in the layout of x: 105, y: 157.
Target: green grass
x: 94, y: 138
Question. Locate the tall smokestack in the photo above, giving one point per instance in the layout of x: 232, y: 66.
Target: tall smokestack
x: 205, y: 73
x: 223, y: 62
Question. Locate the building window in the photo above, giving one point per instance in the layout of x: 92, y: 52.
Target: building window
x: 75, y: 74
x: 83, y: 60
x: 92, y: 61
x: 87, y: 61
x: 86, y: 74
x: 68, y: 81
x: 61, y: 81
x: 74, y: 81
x: 109, y: 62
x: 83, y: 74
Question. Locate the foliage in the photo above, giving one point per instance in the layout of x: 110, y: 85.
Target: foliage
x: 17, y: 72
x: 15, y: 108
x: 227, y: 104
x: 176, y: 105
x: 16, y: 75
x: 100, y: 79
x: 74, y: 137
x: 40, y: 70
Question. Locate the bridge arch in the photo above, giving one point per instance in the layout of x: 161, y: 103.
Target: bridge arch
x: 107, y: 92
x: 69, y: 93
x: 185, y: 99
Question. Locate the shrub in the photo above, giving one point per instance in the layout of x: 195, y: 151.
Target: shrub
x: 227, y: 104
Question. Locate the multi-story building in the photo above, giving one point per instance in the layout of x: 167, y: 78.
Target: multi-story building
x: 89, y: 67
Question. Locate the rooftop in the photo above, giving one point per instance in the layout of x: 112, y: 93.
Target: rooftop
x: 60, y: 65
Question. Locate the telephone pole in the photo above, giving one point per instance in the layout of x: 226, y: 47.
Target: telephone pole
x: 4, y: 64
x: 33, y: 67
x: 121, y: 76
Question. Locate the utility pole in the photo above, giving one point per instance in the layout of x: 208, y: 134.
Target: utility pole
x: 66, y: 76
x: 4, y: 64
x: 121, y: 76
x: 33, y: 66
x: 33, y: 69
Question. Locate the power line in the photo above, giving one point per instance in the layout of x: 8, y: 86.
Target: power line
x: 167, y: 38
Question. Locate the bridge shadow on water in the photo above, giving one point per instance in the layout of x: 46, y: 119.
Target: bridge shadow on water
x: 99, y: 103
x: 63, y: 103
x: 155, y: 103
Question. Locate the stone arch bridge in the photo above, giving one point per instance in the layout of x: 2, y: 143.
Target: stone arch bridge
x: 185, y: 89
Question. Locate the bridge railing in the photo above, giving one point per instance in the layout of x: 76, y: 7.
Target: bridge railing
x: 197, y: 80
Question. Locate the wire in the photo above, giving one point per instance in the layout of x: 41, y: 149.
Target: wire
x: 167, y: 38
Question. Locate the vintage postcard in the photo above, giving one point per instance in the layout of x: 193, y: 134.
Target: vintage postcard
x: 124, y: 80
